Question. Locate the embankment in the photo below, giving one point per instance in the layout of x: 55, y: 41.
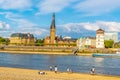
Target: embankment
x: 53, y: 50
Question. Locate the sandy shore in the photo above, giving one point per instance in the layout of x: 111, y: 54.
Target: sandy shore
x: 27, y: 74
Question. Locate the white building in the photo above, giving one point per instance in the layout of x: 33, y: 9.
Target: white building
x: 81, y: 43
x: 67, y: 37
x: 111, y: 36
x: 90, y: 42
x: 100, y: 38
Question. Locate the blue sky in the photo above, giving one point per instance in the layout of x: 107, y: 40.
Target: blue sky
x: 75, y: 18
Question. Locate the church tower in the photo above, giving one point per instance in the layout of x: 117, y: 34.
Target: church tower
x: 52, y: 30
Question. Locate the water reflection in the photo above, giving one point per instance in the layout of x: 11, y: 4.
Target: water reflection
x: 99, y: 60
x: 51, y: 60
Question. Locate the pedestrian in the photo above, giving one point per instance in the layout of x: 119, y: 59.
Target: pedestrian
x: 50, y: 68
x: 56, y: 69
x: 92, y: 71
x: 68, y: 69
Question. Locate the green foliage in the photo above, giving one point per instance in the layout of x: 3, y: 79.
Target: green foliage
x: 39, y: 42
x: 97, y: 51
x: 4, y: 41
x: 87, y: 46
x: 117, y: 45
x: 109, y: 43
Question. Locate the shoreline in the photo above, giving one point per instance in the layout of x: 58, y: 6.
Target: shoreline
x: 46, y: 53
x: 54, y: 50
x: 7, y: 73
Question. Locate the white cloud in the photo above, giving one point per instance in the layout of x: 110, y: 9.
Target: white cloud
x: 50, y: 6
x: 73, y: 27
x: 83, y: 27
x: 23, y: 23
x: 18, y: 20
x: 90, y: 26
x: 4, y: 29
x: 15, y: 4
x: 95, y: 7
x: 109, y: 26
x: 20, y: 25
x: 39, y: 32
x: 80, y: 27
x: 4, y: 26
x: 26, y: 26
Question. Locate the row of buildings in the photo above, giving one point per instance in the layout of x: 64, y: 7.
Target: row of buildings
x: 53, y: 40
x: 98, y: 41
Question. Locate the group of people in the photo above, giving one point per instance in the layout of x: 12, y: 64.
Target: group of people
x: 92, y: 70
x: 56, y: 69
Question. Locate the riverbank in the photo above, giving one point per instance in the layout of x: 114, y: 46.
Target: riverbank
x: 48, y: 53
x: 57, y: 49
x: 27, y: 74
x: 53, y: 50
x: 33, y: 52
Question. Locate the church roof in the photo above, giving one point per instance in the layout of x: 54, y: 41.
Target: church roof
x: 22, y: 35
x: 53, y: 22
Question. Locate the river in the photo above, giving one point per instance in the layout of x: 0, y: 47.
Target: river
x: 82, y: 64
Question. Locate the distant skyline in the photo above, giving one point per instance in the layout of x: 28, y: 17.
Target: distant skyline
x: 74, y: 18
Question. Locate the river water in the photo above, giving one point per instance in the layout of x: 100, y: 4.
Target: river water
x: 82, y: 64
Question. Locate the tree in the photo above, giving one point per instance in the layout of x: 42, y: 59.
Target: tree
x: 109, y: 43
x: 4, y: 41
x: 117, y: 45
x: 39, y: 42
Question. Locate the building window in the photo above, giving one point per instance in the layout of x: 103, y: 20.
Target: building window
x: 98, y: 43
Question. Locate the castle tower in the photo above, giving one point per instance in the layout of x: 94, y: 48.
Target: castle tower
x: 100, y: 38
x: 52, y: 30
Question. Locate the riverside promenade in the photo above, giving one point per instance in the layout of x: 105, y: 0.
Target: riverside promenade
x: 27, y: 74
x: 53, y: 50
x: 37, y: 49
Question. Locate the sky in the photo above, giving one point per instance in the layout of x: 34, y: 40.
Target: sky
x: 74, y: 18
